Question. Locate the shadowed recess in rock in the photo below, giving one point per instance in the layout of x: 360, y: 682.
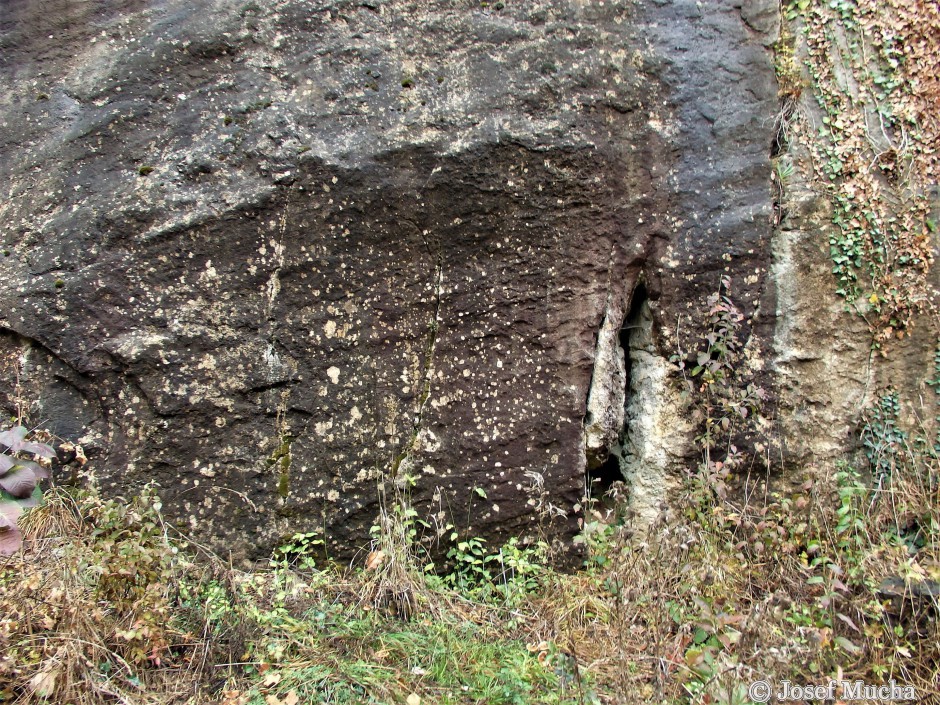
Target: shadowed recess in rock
x: 602, y: 477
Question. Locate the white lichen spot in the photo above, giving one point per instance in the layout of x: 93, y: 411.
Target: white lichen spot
x: 329, y: 329
x: 207, y: 362
x: 210, y: 273
x: 333, y: 374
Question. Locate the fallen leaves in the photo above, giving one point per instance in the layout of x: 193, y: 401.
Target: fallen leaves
x: 290, y: 699
x: 43, y: 684
x: 375, y: 560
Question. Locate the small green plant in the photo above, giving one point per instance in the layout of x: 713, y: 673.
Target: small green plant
x: 210, y: 598
x: 784, y: 170
x: 136, y: 569
x: 300, y: 551
x: 519, y: 566
x: 506, y: 574
x: 597, y: 537
x: 469, y: 558
x: 885, y: 443
x: 710, y: 656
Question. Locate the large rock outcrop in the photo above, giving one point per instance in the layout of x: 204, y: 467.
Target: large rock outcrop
x: 270, y: 254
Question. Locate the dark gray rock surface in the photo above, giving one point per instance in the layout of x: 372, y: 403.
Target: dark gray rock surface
x: 268, y: 253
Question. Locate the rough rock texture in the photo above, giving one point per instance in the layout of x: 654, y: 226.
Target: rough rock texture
x: 269, y: 253
x: 826, y: 371
x: 657, y: 429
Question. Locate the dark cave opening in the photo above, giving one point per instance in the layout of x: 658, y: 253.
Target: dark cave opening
x: 630, y: 325
x: 602, y: 477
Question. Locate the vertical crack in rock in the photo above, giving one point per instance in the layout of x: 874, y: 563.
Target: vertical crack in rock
x: 278, y: 371
x: 654, y: 431
x: 403, y: 461
x: 272, y: 360
x: 604, y: 418
x: 273, y: 287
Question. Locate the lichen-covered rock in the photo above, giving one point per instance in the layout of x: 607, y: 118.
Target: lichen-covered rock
x: 270, y: 254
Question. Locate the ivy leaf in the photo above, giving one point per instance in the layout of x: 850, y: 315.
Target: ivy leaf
x: 6, y: 463
x: 10, y: 541
x: 40, y: 449
x: 19, y: 483
x: 848, y: 646
x: 13, y: 438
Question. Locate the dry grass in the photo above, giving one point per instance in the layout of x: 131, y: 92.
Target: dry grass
x: 62, y: 640
x: 714, y: 596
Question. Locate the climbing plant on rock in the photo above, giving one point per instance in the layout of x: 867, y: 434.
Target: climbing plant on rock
x: 874, y: 70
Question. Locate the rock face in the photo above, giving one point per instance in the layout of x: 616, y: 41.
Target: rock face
x: 825, y: 369
x: 273, y: 254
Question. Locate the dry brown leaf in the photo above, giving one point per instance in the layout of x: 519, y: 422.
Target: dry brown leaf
x: 375, y: 559
x: 43, y: 684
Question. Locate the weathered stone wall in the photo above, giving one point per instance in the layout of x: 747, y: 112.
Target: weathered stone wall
x: 266, y: 254
x: 827, y: 367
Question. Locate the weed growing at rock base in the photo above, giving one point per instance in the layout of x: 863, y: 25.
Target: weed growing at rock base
x: 104, y: 603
